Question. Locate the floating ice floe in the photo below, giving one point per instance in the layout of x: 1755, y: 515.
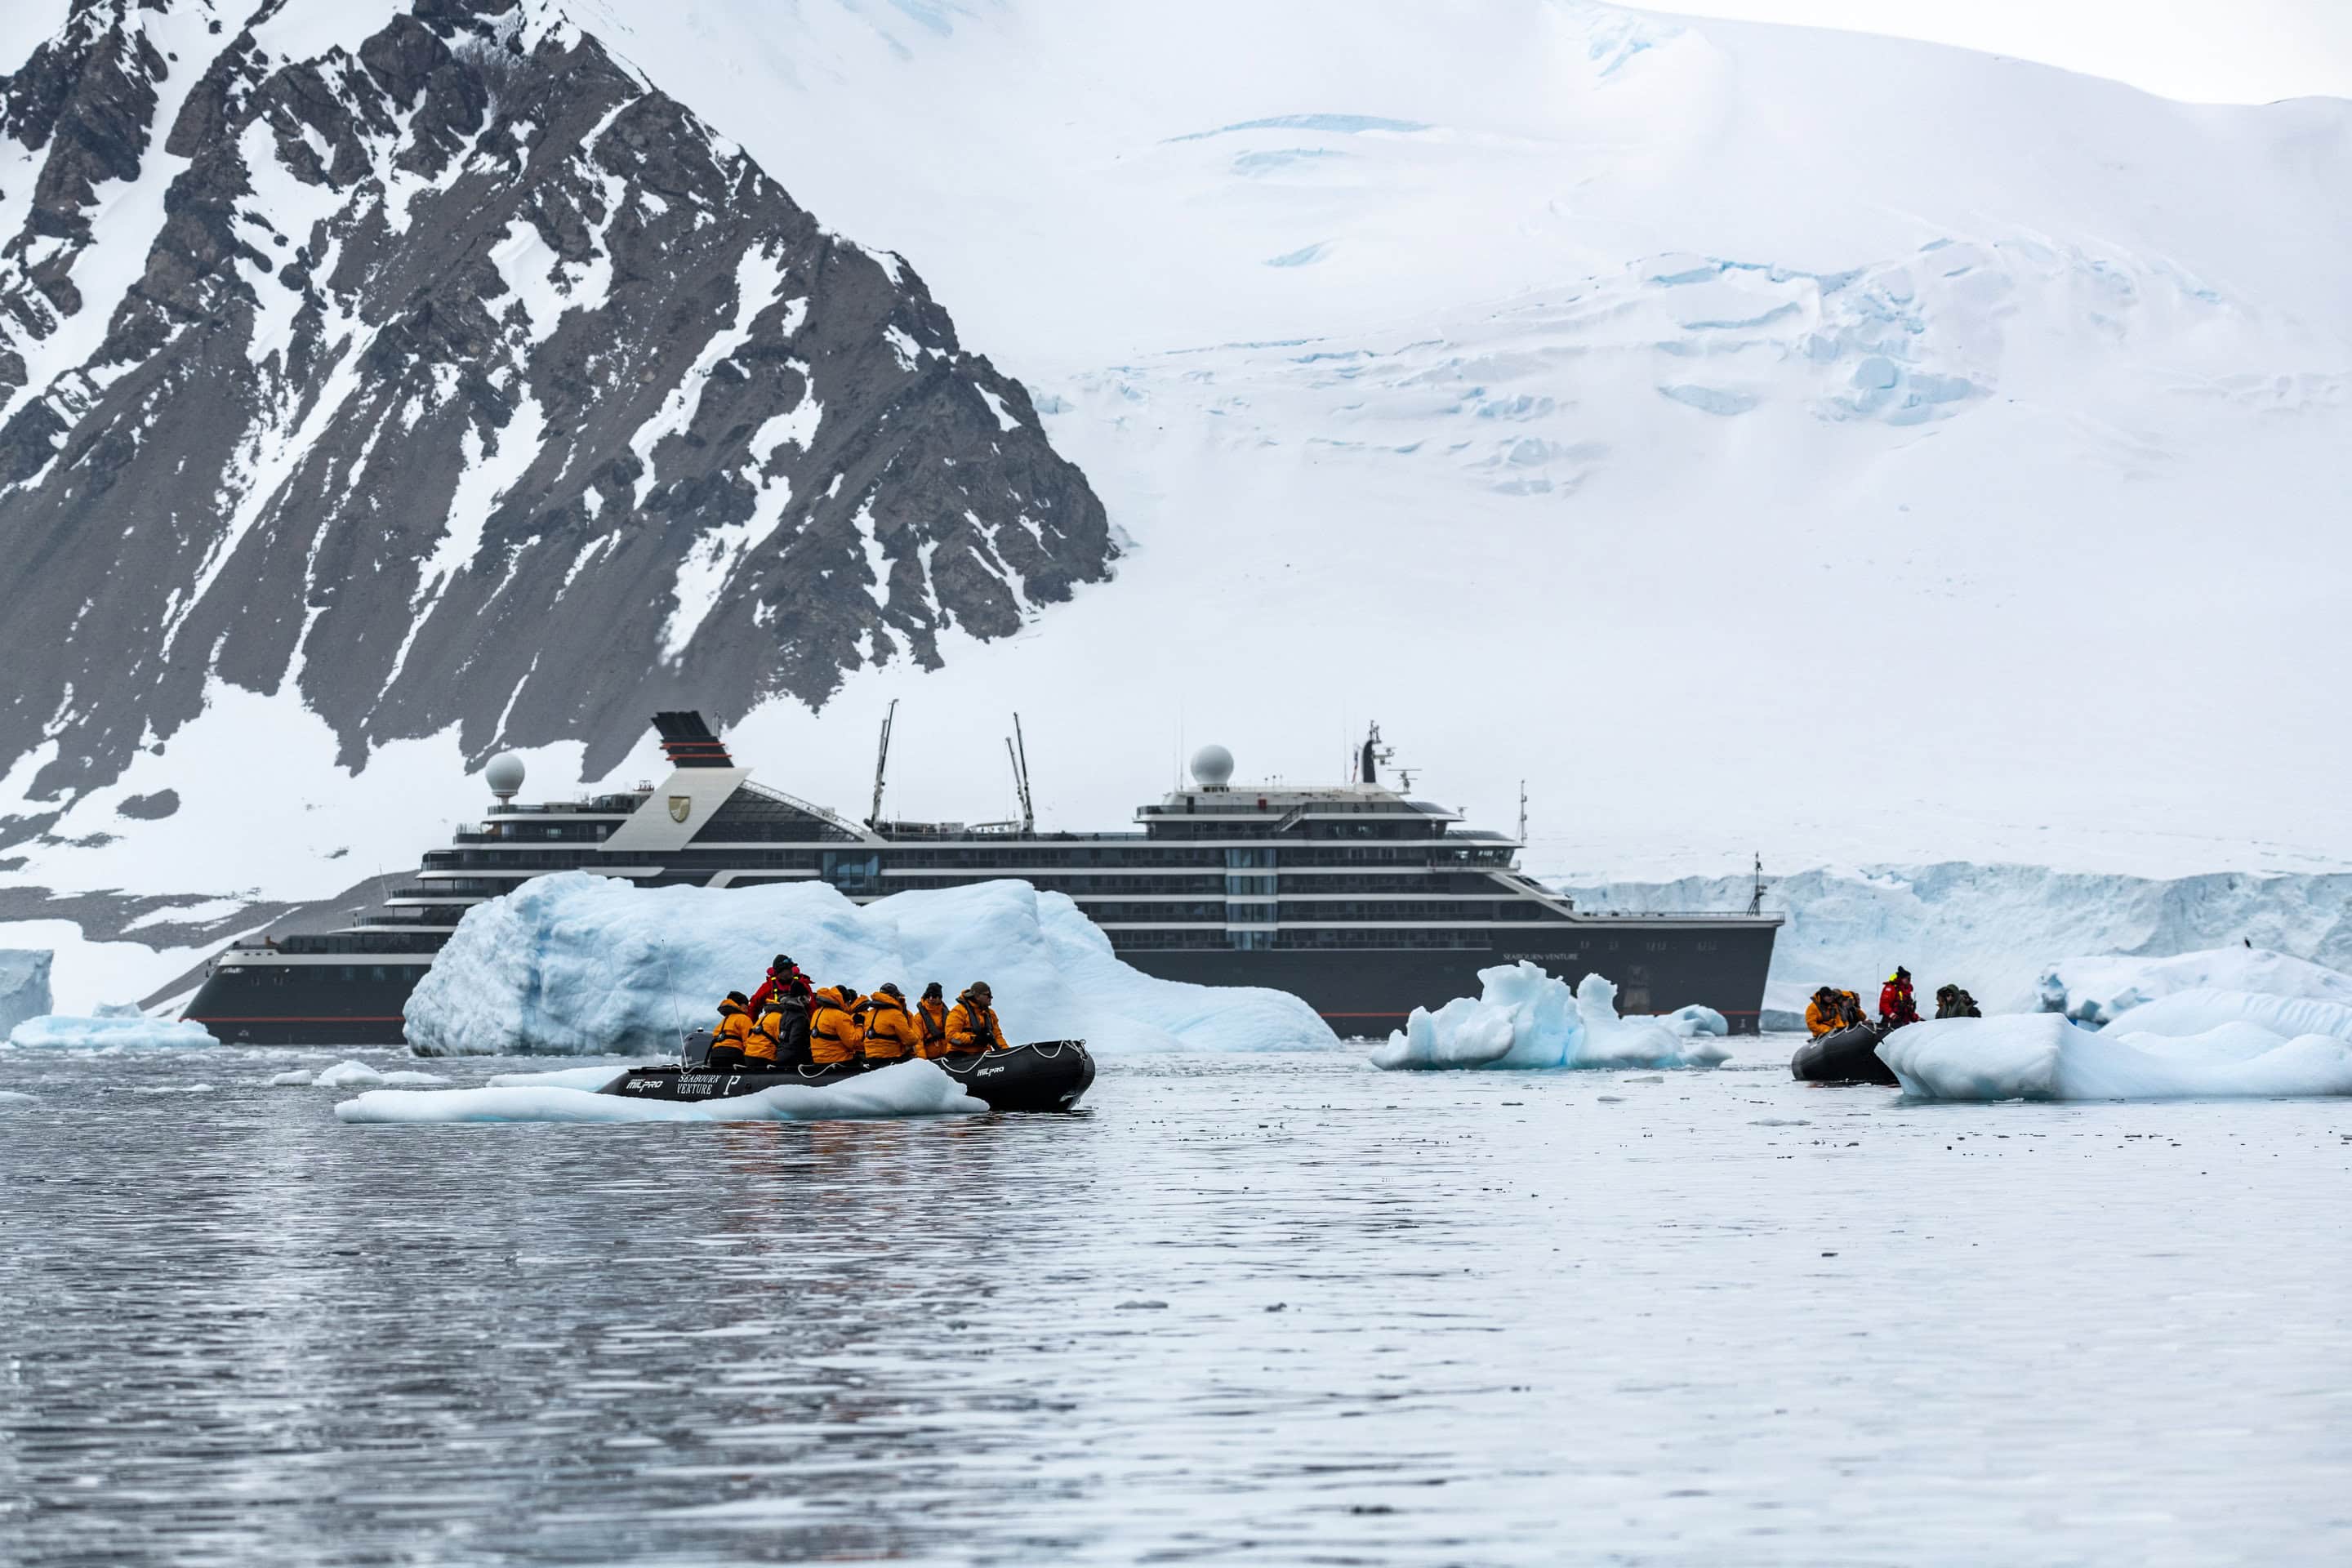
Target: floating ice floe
x: 2041, y: 1056
x: 562, y: 1078
x: 906, y: 1088
x: 576, y: 964
x: 58, y: 1031
x: 1526, y: 1018
x: 2098, y: 990
x: 2195, y: 1012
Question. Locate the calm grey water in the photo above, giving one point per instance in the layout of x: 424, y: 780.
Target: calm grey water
x: 1244, y: 1310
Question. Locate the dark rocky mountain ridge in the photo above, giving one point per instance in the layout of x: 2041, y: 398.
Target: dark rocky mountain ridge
x: 462, y: 377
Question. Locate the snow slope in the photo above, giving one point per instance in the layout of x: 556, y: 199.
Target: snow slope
x: 1752, y: 437
x: 1536, y: 359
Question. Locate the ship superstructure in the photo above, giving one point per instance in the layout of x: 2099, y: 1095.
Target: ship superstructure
x: 1360, y: 898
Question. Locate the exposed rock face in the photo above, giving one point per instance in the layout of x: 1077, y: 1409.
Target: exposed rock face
x: 422, y: 357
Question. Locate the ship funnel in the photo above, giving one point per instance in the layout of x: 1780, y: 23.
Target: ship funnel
x: 1212, y: 767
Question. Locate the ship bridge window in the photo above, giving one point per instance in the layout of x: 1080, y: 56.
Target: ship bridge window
x: 852, y: 873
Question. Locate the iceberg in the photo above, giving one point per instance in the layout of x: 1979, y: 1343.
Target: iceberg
x: 24, y: 986
x: 57, y: 1031
x: 2041, y: 1055
x: 905, y: 1088
x: 2095, y: 990
x: 2195, y: 1012
x: 1524, y: 1018
x: 578, y: 964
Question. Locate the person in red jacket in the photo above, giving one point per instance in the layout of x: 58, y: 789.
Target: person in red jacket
x: 1896, y: 1006
x: 784, y: 977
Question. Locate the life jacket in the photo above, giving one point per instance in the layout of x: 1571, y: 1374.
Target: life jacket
x: 972, y: 1028
x: 791, y: 983
x: 891, y: 1034
x: 760, y: 1044
x: 835, y: 1034
x: 730, y: 1037
x: 1821, y: 1020
x: 933, y: 1017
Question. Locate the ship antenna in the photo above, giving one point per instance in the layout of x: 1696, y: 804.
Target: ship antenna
x: 881, y: 762
x: 670, y: 983
x: 1756, y: 899
x: 1523, y: 814
x: 1017, y: 751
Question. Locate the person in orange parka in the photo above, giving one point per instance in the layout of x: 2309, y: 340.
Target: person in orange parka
x: 835, y: 1036
x: 892, y: 1032
x: 1897, y: 1006
x: 931, y: 1014
x: 971, y: 1023
x: 730, y: 1036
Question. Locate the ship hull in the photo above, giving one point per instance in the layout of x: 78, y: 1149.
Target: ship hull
x: 1360, y: 992
x: 1367, y: 992
x: 306, y: 1004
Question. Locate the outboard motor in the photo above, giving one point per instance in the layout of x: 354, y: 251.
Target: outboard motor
x: 694, y: 1048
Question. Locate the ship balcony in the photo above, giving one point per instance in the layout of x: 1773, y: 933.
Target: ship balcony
x: 447, y: 891
x: 419, y: 920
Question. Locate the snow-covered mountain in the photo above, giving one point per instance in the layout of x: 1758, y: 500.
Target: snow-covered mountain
x: 1863, y: 451
x: 430, y: 365
x: 1752, y: 437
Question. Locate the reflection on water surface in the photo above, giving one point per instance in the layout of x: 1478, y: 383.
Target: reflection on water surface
x: 1266, y: 1311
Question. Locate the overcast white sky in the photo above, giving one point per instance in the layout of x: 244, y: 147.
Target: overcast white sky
x: 2207, y: 51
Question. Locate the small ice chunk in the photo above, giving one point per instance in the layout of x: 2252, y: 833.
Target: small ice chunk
x: 295, y: 1077
x: 1524, y: 1018
x: 359, y: 1075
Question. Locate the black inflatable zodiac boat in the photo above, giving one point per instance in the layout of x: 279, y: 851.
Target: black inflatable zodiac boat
x: 1044, y: 1074
x: 1848, y: 1056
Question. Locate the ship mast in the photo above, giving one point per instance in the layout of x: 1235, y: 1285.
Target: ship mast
x: 1016, y: 748
x: 881, y: 764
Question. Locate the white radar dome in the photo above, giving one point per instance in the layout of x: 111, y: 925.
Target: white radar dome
x: 504, y: 775
x: 1212, y: 767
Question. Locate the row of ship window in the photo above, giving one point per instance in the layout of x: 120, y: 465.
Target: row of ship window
x: 838, y: 863
x: 1294, y: 941
x: 1334, y: 909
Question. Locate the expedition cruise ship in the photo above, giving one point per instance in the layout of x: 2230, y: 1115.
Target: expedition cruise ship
x: 1358, y: 898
